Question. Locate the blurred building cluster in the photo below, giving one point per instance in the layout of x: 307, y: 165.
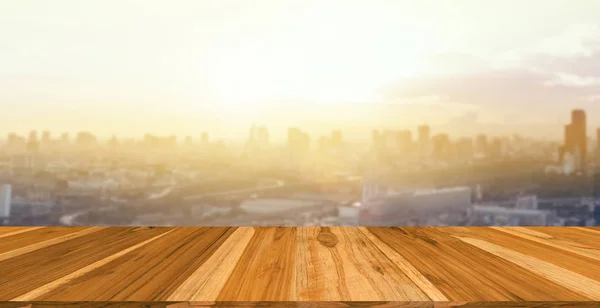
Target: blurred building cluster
x: 430, y: 178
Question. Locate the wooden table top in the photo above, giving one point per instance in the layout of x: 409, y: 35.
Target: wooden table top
x: 345, y: 264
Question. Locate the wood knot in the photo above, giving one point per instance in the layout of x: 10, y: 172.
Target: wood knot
x: 378, y: 269
x: 327, y: 239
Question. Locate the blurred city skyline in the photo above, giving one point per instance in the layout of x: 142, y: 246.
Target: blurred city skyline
x: 136, y: 67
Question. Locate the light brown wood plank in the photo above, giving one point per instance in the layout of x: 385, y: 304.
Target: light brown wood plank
x: 10, y: 231
x: 151, y: 272
x: 335, y: 263
x: 51, y: 286
x: 407, y: 268
x: 34, y: 269
x: 53, y: 241
x: 561, y: 243
x: 24, y: 239
x: 466, y: 273
x: 207, y: 282
x: 557, y: 274
x: 265, y: 272
x: 574, y: 262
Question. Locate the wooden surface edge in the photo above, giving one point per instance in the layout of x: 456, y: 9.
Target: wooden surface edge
x: 382, y: 304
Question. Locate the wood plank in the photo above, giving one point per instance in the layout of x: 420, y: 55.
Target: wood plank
x: 151, y: 272
x: 466, y: 273
x: 266, y: 270
x: 51, y: 286
x: 335, y: 263
x: 10, y: 231
x: 563, y: 242
x: 34, y: 269
x: 207, y: 282
x: 53, y: 241
x: 574, y: 262
x: 411, y: 272
x: 559, y: 275
x: 32, y: 237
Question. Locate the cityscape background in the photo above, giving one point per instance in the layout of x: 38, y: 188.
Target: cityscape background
x: 300, y: 112
x: 400, y: 177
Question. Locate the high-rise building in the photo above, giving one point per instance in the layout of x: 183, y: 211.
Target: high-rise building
x: 262, y: 136
x: 441, y: 146
x: 405, y: 140
x: 298, y: 141
x: 481, y: 144
x: 496, y: 148
x: 45, y: 137
x: 5, y: 200
x: 576, y: 139
x: 464, y: 148
x: 336, y: 138
x: 33, y: 135
x: 85, y: 139
x: 424, y: 133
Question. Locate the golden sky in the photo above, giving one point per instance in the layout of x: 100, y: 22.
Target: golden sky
x: 185, y: 66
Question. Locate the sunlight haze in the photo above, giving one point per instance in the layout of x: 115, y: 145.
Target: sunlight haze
x: 131, y: 67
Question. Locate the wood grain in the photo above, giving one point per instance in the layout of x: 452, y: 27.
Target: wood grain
x: 51, y: 286
x: 572, y: 261
x: 10, y: 231
x: 148, y: 273
x: 465, y: 272
x: 265, y: 272
x: 207, y: 282
x: 24, y: 273
x: 57, y: 238
x: 300, y: 266
x: 360, y: 272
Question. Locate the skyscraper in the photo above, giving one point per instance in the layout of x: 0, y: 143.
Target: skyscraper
x: 404, y: 140
x: 45, y: 137
x: 576, y: 138
x: 298, y: 141
x: 441, y: 146
x: 424, y: 133
x: 481, y: 144
x: 262, y: 136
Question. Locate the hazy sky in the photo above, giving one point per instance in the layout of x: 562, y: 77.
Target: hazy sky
x: 184, y: 66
